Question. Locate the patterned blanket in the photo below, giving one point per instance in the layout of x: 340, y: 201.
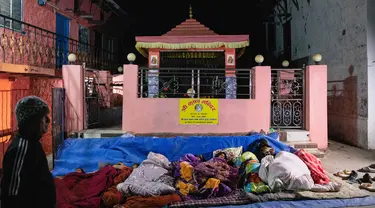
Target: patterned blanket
x: 200, y: 180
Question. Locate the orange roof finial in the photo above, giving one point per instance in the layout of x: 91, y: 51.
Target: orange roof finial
x: 191, y: 13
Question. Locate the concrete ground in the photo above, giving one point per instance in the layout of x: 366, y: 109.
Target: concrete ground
x: 340, y: 156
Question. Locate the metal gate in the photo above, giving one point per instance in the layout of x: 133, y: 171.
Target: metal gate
x: 287, y: 98
x: 58, y: 120
x: 92, y: 102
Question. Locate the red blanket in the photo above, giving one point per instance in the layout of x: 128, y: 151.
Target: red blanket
x: 84, y: 190
x: 315, y: 166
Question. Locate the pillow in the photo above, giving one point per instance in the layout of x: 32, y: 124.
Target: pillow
x: 231, y: 152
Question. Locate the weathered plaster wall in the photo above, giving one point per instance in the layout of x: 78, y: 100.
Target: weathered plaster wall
x: 371, y: 71
x: 42, y: 87
x: 337, y: 30
x: 45, y: 16
x: 21, y: 87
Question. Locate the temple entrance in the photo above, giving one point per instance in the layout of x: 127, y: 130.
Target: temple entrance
x: 192, y: 61
x: 202, y: 71
x: 287, y: 98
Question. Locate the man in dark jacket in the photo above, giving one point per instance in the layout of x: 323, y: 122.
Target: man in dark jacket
x: 27, y: 181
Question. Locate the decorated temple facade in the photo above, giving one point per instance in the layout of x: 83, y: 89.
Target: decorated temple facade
x: 191, y: 48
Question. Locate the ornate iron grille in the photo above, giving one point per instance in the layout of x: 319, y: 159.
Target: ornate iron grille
x: 287, y: 98
x: 92, y: 102
x: 196, y: 83
x: 34, y: 46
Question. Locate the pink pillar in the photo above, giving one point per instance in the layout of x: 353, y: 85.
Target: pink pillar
x: 73, y: 78
x: 316, y: 105
x: 130, y: 88
x: 263, y: 91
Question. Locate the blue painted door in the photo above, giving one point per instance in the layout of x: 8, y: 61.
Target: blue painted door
x: 62, y: 41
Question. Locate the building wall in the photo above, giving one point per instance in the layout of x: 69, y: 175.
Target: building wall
x: 371, y: 70
x: 42, y: 87
x: 162, y: 115
x: 337, y: 30
x: 45, y: 16
x: 12, y: 91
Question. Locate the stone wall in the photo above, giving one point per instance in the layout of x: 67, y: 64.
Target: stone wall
x: 337, y: 30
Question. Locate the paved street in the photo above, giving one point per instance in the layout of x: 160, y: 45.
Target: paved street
x: 340, y: 156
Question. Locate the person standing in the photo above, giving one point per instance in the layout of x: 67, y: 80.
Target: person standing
x: 27, y: 181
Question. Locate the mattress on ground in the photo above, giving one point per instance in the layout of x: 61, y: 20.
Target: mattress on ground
x: 88, y: 153
x: 328, y: 203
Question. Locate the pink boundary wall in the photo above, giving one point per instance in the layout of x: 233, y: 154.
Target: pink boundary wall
x: 150, y: 115
x: 73, y: 79
x: 316, y: 105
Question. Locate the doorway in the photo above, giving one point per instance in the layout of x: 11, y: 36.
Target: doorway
x: 62, y: 40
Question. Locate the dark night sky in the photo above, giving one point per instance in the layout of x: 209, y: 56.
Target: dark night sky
x: 156, y: 17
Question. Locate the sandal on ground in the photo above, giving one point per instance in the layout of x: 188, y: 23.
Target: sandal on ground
x: 343, y: 174
x: 365, y: 179
x: 367, y: 186
x: 352, y: 177
x: 368, y: 169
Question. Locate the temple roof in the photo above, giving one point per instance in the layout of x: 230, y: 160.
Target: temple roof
x: 190, y: 34
x: 191, y: 27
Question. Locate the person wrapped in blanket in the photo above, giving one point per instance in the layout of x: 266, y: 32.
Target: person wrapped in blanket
x: 250, y: 180
x: 199, y: 180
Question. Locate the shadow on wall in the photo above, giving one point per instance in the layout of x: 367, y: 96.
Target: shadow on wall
x: 342, y: 109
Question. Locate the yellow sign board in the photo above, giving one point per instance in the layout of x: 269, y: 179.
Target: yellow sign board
x: 199, y: 111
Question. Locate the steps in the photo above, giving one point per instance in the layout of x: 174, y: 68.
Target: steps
x: 310, y: 147
x: 294, y: 135
x: 102, y: 133
x: 299, y: 139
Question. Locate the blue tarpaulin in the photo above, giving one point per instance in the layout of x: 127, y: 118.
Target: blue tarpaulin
x: 88, y: 153
x: 328, y: 203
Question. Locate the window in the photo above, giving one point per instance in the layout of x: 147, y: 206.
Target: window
x: 108, y: 47
x: 83, y: 39
x: 13, y: 9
